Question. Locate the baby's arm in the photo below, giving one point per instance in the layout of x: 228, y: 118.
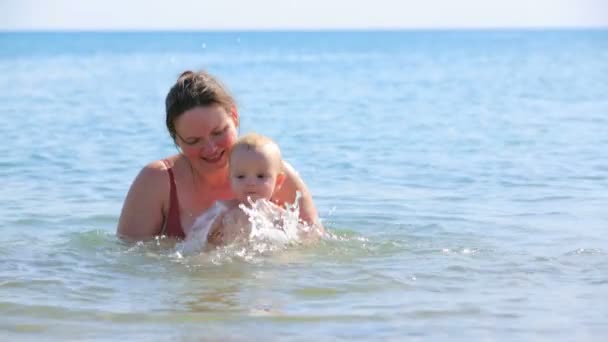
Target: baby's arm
x: 216, y: 235
x: 228, y: 227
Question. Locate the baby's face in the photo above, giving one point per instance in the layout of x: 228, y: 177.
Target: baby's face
x: 253, y: 174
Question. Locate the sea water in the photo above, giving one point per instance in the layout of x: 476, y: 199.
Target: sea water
x: 461, y: 175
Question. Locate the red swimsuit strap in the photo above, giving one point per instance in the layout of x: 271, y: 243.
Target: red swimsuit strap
x: 173, y: 225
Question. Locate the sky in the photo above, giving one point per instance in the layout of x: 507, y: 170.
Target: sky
x: 17, y: 15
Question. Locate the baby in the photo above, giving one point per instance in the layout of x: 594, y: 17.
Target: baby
x: 256, y: 172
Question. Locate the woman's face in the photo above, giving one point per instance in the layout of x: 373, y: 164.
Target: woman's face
x: 205, y: 135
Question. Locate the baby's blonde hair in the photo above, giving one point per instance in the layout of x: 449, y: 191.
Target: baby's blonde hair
x: 256, y: 142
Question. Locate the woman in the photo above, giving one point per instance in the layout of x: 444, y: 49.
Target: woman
x: 168, y: 195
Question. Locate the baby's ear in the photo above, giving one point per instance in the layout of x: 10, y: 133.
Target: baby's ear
x: 280, y: 180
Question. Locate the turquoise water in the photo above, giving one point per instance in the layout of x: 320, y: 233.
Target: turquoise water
x: 462, y: 175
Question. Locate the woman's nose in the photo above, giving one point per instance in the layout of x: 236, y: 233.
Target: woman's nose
x: 208, y: 147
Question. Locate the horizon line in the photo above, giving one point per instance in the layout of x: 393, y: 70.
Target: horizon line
x: 304, y: 29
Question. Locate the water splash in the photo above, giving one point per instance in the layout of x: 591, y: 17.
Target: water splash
x: 271, y: 228
x: 196, y: 239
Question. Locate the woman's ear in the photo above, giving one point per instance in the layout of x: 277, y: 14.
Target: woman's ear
x: 235, y: 116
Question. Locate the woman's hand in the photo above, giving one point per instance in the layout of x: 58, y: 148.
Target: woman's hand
x: 292, y: 185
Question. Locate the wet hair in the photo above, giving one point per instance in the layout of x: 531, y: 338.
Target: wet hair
x: 256, y: 142
x: 195, y: 89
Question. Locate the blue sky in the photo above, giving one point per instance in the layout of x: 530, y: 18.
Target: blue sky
x: 297, y: 14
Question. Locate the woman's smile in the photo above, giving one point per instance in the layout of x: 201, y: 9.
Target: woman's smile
x: 214, y: 158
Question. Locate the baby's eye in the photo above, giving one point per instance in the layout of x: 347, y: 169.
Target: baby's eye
x: 261, y: 176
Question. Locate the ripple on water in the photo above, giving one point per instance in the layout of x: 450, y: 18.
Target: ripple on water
x: 585, y: 252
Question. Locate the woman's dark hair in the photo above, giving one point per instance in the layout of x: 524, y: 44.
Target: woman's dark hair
x: 195, y: 89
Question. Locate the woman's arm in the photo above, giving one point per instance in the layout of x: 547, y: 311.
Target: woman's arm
x: 287, y: 194
x: 142, y: 212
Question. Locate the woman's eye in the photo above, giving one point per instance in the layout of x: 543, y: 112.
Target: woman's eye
x: 192, y: 142
x: 219, y: 132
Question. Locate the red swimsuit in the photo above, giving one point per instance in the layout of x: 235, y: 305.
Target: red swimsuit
x: 173, y: 225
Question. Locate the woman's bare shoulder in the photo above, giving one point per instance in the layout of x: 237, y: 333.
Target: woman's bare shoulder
x: 155, y: 172
x: 146, y: 202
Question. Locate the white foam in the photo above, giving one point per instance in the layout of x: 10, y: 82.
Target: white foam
x: 272, y: 227
x: 196, y: 236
